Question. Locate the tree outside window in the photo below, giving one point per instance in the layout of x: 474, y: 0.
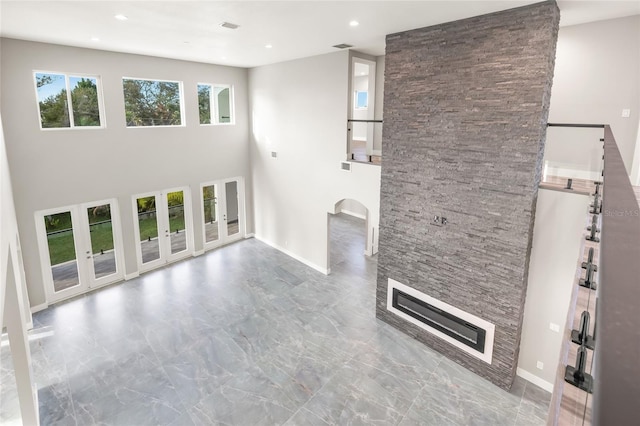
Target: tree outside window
x: 152, y: 103
x: 67, y: 101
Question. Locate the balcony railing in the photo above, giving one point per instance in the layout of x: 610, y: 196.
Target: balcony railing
x: 364, y: 141
x: 600, y: 383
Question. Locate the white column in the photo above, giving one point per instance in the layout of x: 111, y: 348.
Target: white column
x: 19, y: 343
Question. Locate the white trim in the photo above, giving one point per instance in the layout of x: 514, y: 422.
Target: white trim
x: 532, y: 378
x: 131, y: 276
x: 249, y: 235
x: 38, y: 308
x: 198, y: 253
x: 376, y: 152
x: 486, y: 325
x: 359, y: 138
x: 354, y: 214
x: 293, y: 255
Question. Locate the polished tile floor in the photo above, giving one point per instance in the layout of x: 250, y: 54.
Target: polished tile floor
x: 245, y: 335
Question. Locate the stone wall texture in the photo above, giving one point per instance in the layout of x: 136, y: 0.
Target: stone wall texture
x: 465, y: 113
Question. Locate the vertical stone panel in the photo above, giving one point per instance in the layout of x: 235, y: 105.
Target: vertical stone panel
x: 465, y: 113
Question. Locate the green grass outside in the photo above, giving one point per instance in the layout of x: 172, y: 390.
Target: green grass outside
x: 62, y: 247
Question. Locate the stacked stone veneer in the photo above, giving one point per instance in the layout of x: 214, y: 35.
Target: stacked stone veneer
x: 465, y: 113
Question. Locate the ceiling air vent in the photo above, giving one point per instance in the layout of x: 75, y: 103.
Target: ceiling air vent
x: 342, y: 46
x: 345, y: 166
x: 229, y: 25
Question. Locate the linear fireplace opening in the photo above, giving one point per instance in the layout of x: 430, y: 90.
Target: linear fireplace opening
x: 462, y: 329
x: 450, y: 325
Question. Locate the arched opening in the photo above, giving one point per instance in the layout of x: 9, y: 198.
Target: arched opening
x: 347, y: 236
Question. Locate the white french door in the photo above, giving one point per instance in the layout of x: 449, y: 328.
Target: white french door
x: 163, y: 227
x: 222, y: 211
x: 80, y: 248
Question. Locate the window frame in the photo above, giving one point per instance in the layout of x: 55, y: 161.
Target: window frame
x: 214, y: 106
x: 67, y: 75
x: 183, y: 120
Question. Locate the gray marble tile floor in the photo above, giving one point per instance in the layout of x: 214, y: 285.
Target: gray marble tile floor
x: 245, y: 335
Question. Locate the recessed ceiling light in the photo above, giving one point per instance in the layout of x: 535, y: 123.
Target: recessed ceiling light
x: 121, y: 17
x: 354, y: 23
x: 95, y: 39
x: 268, y: 46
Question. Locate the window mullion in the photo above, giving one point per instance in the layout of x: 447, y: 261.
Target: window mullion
x: 69, y: 106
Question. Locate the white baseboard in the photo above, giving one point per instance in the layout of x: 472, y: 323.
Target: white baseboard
x: 293, y: 255
x: 354, y: 214
x: 535, y: 379
x: 198, y: 253
x: 38, y: 308
x: 249, y: 235
x: 128, y: 277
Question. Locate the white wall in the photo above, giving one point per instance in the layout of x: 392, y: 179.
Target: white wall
x: 306, y: 124
x: 597, y: 75
x: 65, y: 167
x: 557, y: 239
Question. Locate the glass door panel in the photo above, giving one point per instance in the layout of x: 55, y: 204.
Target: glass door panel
x: 210, y: 213
x: 62, y: 250
x: 148, y: 227
x: 177, y: 227
x: 232, y: 208
x: 103, y: 251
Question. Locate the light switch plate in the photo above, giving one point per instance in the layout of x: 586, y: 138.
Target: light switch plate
x: 554, y: 327
x: 626, y: 113
x: 540, y: 365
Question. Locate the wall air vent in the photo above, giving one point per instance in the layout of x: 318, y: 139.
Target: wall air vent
x: 342, y: 46
x: 346, y: 166
x: 229, y: 25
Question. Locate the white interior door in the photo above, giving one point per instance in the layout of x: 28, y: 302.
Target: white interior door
x: 163, y: 227
x: 222, y: 211
x: 80, y: 248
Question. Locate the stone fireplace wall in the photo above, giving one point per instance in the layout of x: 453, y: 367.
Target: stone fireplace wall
x: 465, y: 113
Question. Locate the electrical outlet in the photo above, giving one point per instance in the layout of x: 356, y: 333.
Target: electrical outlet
x: 554, y: 327
x: 540, y: 365
x: 626, y: 113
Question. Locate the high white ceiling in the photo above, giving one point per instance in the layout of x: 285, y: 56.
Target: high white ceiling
x: 190, y: 30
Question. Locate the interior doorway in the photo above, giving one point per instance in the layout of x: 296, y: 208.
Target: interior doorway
x: 347, y: 235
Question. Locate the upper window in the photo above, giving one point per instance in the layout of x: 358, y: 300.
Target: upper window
x: 66, y: 101
x: 362, y: 100
x: 215, y: 102
x: 152, y: 102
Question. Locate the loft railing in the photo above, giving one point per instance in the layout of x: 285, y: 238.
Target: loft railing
x: 364, y: 141
x: 605, y: 374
